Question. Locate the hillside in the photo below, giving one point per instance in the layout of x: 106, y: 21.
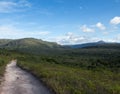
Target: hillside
x: 4, y: 41
x: 38, y: 46
x: 27, y: 43
x: 92, y: 70
x: 99, y: 44
x: 31, y: 45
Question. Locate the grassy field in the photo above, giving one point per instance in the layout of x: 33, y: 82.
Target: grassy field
x: 5, y: 57
x: 65, y: 75
x: 71, y: 80
x: 81, y: 71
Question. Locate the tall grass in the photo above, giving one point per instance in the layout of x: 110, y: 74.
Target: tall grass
x: 5, y: 57
x: 71, y: 80
x: 76, y: 72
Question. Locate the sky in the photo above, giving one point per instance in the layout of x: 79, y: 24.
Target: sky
x: 62, y: 21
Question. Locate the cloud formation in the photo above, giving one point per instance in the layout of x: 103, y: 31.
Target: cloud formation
x: 100, y: 26
x: 71, y: 38
x: 115, y: 20
x: 9, y: 31
x: 84, y: 28
x: 12, y: 6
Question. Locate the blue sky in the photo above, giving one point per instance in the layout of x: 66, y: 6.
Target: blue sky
x: 61, y: 21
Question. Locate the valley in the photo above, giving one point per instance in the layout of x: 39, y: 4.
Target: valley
x: 59, y: 47
x: 65, y: 70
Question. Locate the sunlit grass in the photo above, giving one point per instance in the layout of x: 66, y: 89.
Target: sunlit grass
x: 68, y: 80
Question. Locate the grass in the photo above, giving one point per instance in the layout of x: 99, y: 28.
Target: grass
x: 3, y: 61
x: 71, y: 80
x: 5, y: 57
x: 86, y: 71
x: 2, y: 67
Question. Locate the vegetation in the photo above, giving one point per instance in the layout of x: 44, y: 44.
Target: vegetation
x: 27, y: 43
x: 68, y: 80
x: 90, y: 70
x: 4, y: 41
x: 4, y: 59
x: 78, y: 71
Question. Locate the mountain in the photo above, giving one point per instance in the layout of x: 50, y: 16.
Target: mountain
x: 99, y: 44
x: 4, y: 41
x: 27, y: 43
x: 38, y: 46
x: 86, y: 44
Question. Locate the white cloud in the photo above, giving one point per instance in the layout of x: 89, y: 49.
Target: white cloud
x: 105, y: 33
x: 115, y: 20
x: 12, y: 6
x: 117, y: 39
x: 45, y: 12
x: 71, y: 38
x: 9, y: 31
x: 84, y: 28
x: 100, y: 26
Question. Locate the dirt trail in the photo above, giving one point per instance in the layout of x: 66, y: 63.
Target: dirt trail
x: 17, y: 81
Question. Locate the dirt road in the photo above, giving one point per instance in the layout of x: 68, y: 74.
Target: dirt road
x: 17, y: 81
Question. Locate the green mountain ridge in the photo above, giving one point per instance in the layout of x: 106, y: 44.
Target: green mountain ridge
x: 38, y: 46
x: 27, y: 43
x: 4, y: 41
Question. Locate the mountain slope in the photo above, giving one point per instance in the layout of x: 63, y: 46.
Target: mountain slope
x: 86, y: 44
x: 4, y: 41
x: 99, y: 44
x: 28, y: 43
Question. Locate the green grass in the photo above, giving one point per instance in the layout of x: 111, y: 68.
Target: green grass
x: 2, y: 68
x: 80, y: 71
x: 72, y: 80
x: 5, y: 57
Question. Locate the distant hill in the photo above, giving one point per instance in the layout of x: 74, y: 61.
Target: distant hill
x: 38, y: 46
x: 28, y: 44
x: 99, y: 44
x: 86, y: 44
x: 4, y: 41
